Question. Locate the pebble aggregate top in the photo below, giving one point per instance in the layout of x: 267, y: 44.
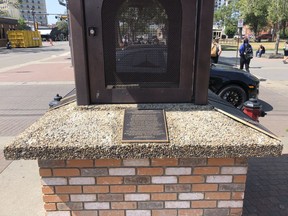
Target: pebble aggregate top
x: 95, y: 131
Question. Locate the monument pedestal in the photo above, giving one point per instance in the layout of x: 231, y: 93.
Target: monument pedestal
x: 86, y: 169
x: 176, y: 186
x: 91, y: 165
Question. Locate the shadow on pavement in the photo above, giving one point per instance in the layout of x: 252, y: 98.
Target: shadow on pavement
x: 232, y: 61
x: 30, y: 50
x: 228, y: 60
x: 256, y: 67
x: 265, y: 106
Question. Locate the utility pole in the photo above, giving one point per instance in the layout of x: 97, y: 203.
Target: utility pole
x: 33, y: 15
x: 277, y: 29
x: 65, y: 4
x: 240, y: 26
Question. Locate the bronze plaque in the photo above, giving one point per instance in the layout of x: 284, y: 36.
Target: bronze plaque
x: 144, y: 126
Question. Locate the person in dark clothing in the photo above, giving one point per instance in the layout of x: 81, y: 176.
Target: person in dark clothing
x: 8, y: 45
x: 285, y: 48
x: 260, y: 51
x: 246, y: 54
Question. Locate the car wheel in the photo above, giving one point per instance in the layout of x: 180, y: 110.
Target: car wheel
x: 233, y: 94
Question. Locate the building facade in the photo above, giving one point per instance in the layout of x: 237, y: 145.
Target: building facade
x: 219, y: 3
x: 6, y: 24
x: 28, y: 7
x: 26, y: 10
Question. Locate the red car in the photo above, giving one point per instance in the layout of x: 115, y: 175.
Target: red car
x: 261, y: 37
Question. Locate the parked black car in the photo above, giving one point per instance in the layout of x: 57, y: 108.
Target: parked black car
x: 233, y: 85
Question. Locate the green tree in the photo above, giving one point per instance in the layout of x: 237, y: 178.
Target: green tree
x: 255, y: 13
x: 13, y: 3
x: 231, y: 28
x: 62, y: 27
x: 228, y: 16
x: 22, y: 25
x: 278, y: 17
x: 60, y: 32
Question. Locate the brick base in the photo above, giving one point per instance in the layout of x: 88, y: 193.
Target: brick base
x: 144, y: 187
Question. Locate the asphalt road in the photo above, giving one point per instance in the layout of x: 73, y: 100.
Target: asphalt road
x: 273, y: 75
x: 24, y: 56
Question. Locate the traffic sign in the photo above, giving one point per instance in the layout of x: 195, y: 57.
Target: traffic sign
x: 240, y: 23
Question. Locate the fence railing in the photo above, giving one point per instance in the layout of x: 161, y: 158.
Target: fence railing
x: 230, y: 41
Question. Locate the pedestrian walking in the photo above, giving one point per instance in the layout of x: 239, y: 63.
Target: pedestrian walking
x: 216, y: 50
x: 246, y: 54
x: 51, y: 42
x: 285, y: 48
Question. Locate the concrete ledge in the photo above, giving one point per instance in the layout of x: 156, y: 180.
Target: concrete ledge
x: 272, y: 56
x: 94, y: 132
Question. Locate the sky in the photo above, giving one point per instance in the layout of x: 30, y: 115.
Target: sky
x: 53, y: 7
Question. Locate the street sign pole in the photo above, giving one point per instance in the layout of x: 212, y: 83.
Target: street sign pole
x: 240, y: 26
x: 65, y: 3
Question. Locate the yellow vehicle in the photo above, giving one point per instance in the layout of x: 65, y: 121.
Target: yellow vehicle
x: 24, y: 38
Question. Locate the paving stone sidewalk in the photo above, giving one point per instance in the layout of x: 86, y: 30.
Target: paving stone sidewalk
x: 266, y: 191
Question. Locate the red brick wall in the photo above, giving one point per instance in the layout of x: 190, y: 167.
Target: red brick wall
x: 144, y: 187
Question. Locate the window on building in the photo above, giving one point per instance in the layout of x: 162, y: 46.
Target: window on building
x: 3, y: 33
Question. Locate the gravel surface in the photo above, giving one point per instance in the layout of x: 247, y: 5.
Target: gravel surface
x: 92, y: 132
